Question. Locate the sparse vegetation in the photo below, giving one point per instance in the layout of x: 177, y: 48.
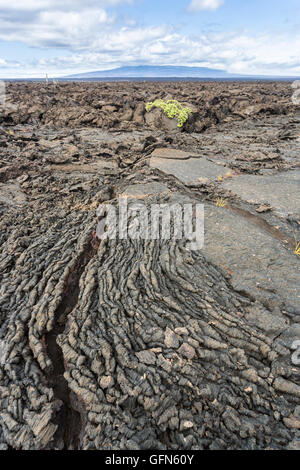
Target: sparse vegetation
x: 297, y: 249
x: 172, y: 108
x: 220, y: 202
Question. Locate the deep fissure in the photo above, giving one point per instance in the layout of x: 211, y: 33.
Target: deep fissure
x: 68, y: 419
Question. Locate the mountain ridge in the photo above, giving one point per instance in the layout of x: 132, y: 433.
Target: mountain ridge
x: 162, y: 71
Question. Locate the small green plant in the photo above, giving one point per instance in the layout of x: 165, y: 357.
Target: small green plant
x: 172, y: 108
x: 220, y: 202
x: 297, y: 244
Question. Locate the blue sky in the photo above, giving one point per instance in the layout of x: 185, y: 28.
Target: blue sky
x: 71, y: 36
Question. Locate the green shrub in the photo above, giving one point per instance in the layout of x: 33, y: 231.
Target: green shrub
x: 172, y: 108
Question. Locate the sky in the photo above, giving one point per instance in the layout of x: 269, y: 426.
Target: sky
x: 61, y: 37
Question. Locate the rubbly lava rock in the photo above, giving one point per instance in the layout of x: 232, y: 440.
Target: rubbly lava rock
x: 144, y: 343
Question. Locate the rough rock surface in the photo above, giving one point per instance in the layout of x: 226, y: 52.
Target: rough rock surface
x: 144, y: 344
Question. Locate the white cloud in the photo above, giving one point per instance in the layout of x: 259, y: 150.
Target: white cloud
x: 197, y: 5
x: 52, y: 28
x: 236, y: 53
x: 72, y: 24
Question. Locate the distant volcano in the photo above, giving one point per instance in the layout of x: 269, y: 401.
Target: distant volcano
x: 149, y: 71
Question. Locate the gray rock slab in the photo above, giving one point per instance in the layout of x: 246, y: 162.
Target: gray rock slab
x: 172, y: 154
x: 144, y: 190
x: 259, y: 265
x: 189, y: 170
x: 281, y: 191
